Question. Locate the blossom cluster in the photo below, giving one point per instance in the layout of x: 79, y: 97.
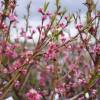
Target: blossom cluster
x: 55, y: 65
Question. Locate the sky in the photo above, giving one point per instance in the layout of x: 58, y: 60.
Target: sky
x: 35, y: 19
x: 70, y: 5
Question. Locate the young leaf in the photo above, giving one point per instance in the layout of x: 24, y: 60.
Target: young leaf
x: 53, y: 19
x: 57, y: 3
x: 46, y: 4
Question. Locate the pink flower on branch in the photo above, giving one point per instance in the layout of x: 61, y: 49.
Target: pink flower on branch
x: 12, y: 17
x: 33, y: 95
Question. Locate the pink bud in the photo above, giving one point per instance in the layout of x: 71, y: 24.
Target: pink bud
x: 40, y: 10
x: 79, y: 26
x: 66, y: 17
x: 12, y: 17
x: 44, y: 18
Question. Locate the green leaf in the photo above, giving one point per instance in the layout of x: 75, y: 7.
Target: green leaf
x: 6, y: 4
x: 98, y: 12
x: 33, y: 79
x: 64, y: 11
x: 4, y: 60
x: 53, y: 19
x: 46, y: 4
x: 98, y: 90
x: 57, y: 3
x: 94, y: 78
x: 55, y: 35
x: 5, y: 11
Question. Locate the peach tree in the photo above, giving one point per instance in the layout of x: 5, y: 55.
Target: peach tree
x: 60, y: 65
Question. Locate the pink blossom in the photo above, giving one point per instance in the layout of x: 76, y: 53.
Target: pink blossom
x: 33, y: 31
x: 5, y: 70
x: 63, y: 39
x: 42, y: 35
x: 33, y: 95
x: 8, y: 51
x: 12, y: 4
x: 16, y: 84
x: 12, y: 17
x: 51, y: 52
x: 40, y: 10
x: 23, y: 71
x: 14, y: 55
x: 66, y: 17
x: 60, y: 88
x: 81, y: 98
x: 62, y: 25
x: 15, y: 66
x: 48, y: 14
x: 42, y: 79
x: 98, y: 15
x: 1, y: 13
x: 79, y: 26
x: 72, y: 67
x: 1, y: 93
x: 42, y: 82
x: 44, y: 17
x: 49, y: 68
x: 94, y: 92
x: 97, y: 49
